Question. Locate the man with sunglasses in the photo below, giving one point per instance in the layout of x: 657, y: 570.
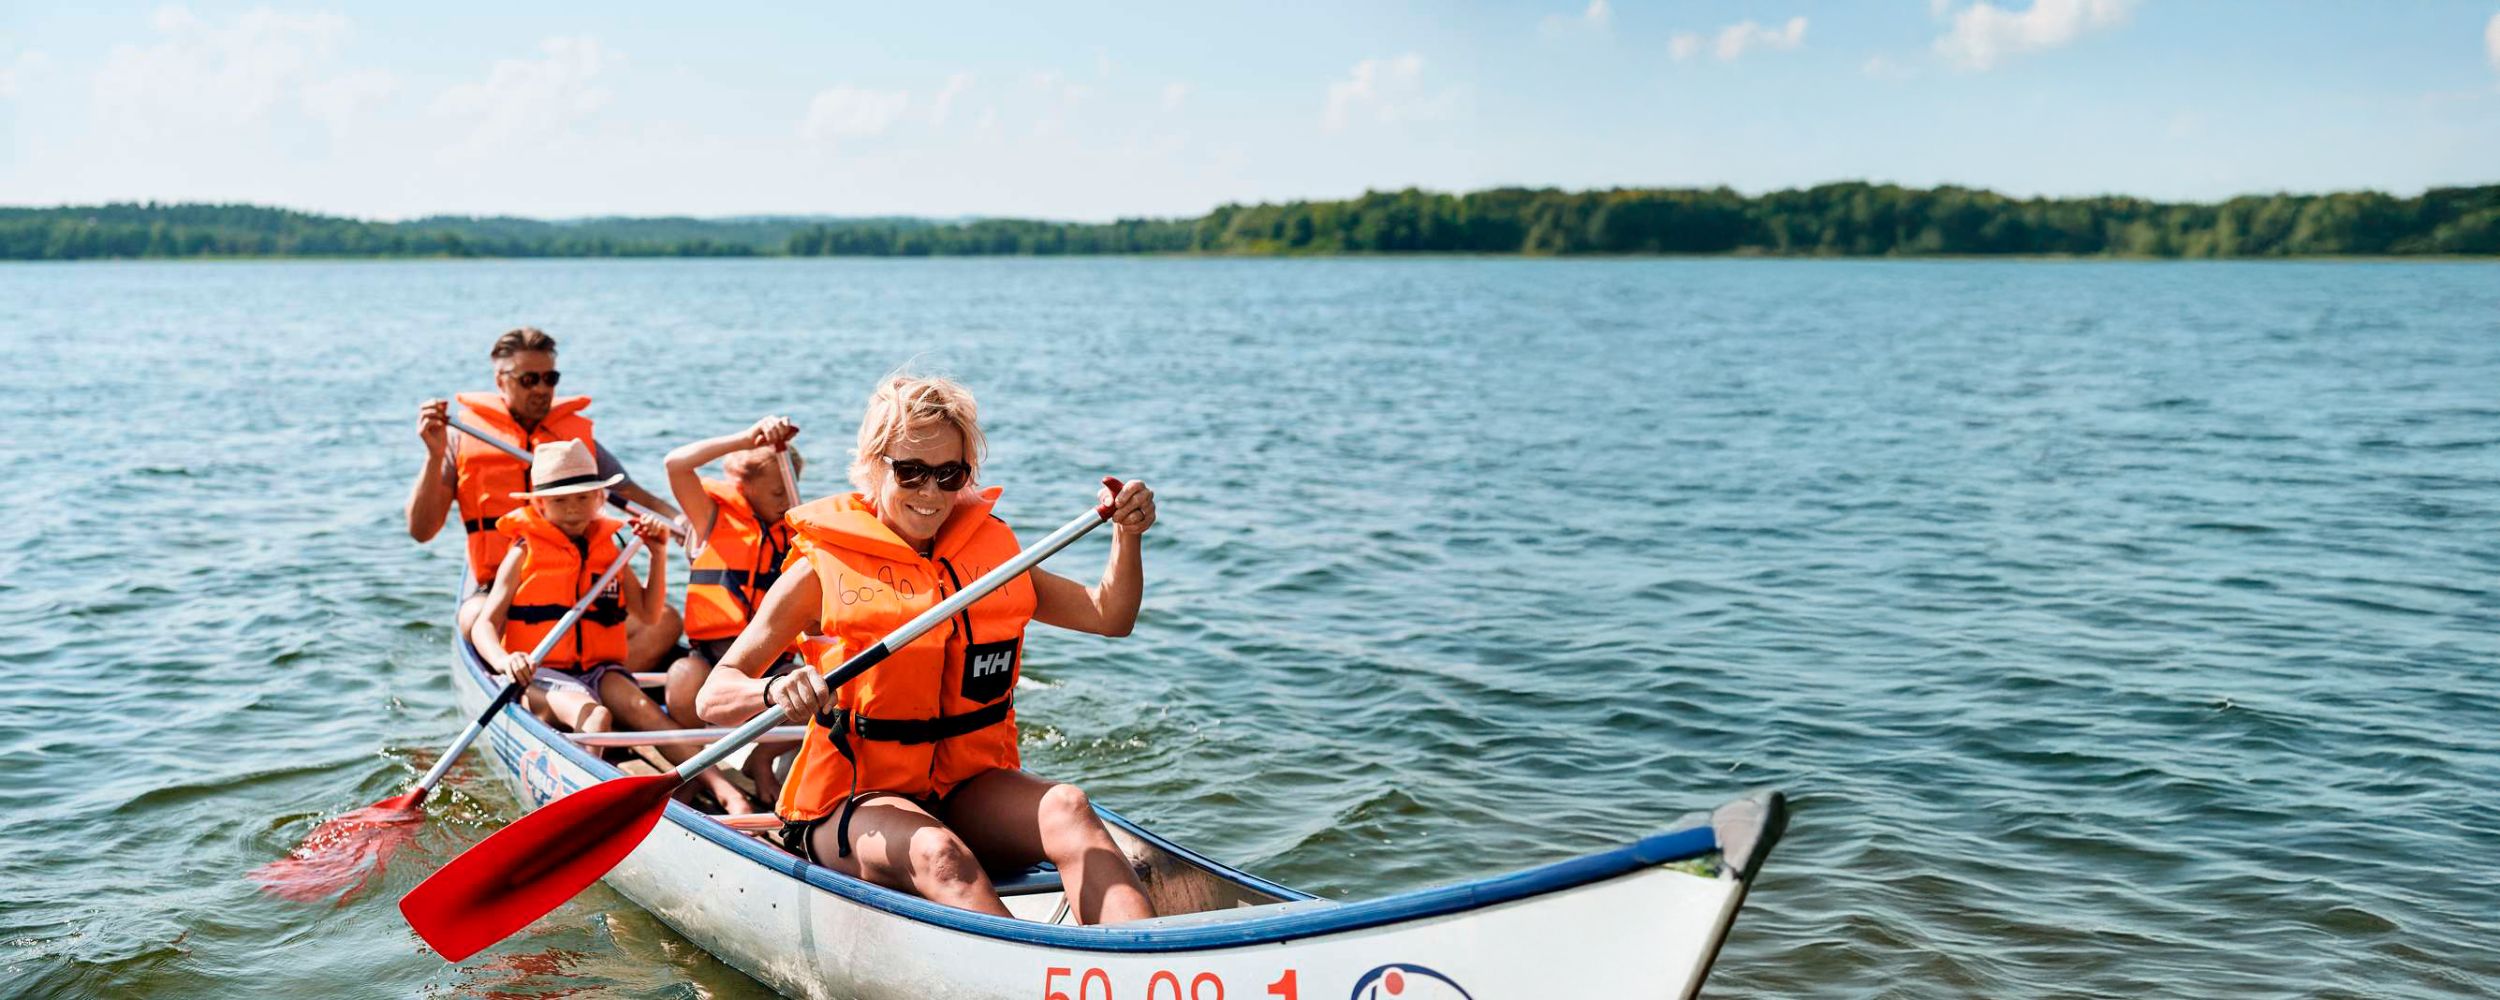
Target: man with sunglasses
x: 480, y: 479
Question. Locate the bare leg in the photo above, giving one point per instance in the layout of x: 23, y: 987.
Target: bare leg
x: 635, y: 711
x: 896, y: 844
x: 1013, y: 818
x: 759, y: 768
x: 647, y: 647
x: 570, y: 707
x: 469, y: 607
x: 685, y: 680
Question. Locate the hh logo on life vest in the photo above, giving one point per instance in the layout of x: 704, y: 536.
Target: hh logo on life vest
x: 990, y: 669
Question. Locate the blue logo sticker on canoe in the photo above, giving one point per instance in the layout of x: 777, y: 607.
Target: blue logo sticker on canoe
x: 1407, y: 982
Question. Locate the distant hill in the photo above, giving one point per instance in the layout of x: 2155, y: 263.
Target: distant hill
x: 1844, y: 219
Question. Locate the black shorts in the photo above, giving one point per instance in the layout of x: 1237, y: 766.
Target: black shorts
x: 798, y: 835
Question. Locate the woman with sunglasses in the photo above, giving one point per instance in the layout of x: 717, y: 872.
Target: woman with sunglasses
x: 909, y: 775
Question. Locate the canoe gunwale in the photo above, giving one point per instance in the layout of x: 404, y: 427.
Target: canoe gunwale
x: 1297, y: 924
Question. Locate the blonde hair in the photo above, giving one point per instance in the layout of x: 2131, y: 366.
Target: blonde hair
x: 751, y: 462
x: 903, y: 401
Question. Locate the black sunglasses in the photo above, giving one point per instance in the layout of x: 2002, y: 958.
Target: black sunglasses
x: 909, y: 473
x: 532, y: 380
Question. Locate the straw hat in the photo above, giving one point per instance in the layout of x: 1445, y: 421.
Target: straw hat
x: 561, y: 467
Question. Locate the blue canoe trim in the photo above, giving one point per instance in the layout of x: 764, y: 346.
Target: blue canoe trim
x: 1647, y: 852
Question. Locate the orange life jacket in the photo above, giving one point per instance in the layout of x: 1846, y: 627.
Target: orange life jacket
x: 485, y: 478
x: 938, y: 711
x: 555, y: 571
x: 739, y: 562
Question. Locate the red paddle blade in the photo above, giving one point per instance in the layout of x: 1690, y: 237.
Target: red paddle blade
x: 342, y: 853
x: 533, y: 866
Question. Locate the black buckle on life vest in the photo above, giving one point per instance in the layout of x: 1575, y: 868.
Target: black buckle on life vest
x: 605, y: 610
x: 478, y: 525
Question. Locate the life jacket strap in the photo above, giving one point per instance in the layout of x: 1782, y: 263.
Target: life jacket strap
x: 605, y: 610
x: 478, y: 525
x: 914, y: 732
x: 735, y: 578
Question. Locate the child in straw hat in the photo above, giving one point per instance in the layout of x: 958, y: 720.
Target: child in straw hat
x: 562, y: 544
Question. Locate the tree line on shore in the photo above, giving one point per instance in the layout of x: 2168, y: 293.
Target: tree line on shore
x: 1831, y: 220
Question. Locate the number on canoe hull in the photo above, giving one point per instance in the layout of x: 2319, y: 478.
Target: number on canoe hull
x: 1388, y: 982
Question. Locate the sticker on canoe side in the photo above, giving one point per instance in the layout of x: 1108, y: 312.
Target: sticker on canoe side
x: 540, y: 776
x: 1407, y: 982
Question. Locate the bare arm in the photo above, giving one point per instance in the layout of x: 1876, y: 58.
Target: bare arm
x: 735, y: 692
x: 486, y: 632
x: 1109, y: 607
x: 646, y: 598
x: 683, y: 464
x: 429, y: 501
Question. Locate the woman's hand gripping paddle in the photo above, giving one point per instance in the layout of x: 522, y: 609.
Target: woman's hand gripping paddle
x: 549, y: 856
x: 349, y: 849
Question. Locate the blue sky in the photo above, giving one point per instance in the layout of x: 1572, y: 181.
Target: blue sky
x: 1093, y: 112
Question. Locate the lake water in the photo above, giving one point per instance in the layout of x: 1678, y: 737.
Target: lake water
x: 2117, y: 629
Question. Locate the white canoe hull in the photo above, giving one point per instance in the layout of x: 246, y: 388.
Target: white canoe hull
x: 1617, y: 924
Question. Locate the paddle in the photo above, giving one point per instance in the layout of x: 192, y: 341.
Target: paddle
x: 515, y: 451
x: 789, y: 479
x: 353, y: 846
x: 549, y: 856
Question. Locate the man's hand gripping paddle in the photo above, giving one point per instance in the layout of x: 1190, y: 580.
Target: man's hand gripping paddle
x: 532, y: 866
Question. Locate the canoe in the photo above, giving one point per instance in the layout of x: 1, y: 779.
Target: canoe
x: 1641, y: 920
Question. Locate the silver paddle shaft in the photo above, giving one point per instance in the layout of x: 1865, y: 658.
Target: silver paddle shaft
x: 515, y: 451
x: 545, y: 646
x: 772, y: 715
x: 789, y: 479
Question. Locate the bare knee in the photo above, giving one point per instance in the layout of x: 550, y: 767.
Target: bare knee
x: 1065, y: 810
x: 939, y: 858
x: 595, y: 719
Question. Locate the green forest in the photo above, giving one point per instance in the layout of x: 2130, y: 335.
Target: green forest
x: 1831, y: 220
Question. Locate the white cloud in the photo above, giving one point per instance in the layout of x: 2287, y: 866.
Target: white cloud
x: 1599, y: 17
x: 944, y: 103
x: 1737, y: 39
x: 1058, y: 98
x: 1984, y: 34
x: 529, y: 101
x: 1389, y: 91
x: 1174, y: 95
x: 199, y: 74
x: 2491, y: 41
x: 341, y: 99
x: 848, y: 112
x: 13, y: 76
